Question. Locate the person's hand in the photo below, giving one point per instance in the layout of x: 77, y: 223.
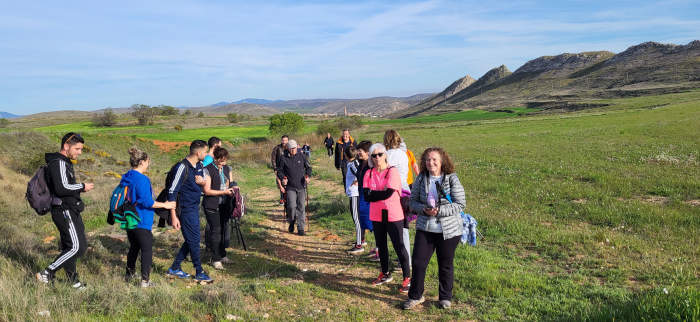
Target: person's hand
x: 284, y: 181
x: 282, y: 190
x: 430, y: 211
x: 229, y: 191
x: 199, y: 180
x: 307, y: 179
x: 174, y: 220
x: 89, y: 186
x: 170, y: 205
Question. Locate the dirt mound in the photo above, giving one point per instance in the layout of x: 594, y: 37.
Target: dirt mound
x: 170, y: 146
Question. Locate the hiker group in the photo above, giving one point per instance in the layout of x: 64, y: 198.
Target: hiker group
x: 387, y: 189
x: 203, y: 172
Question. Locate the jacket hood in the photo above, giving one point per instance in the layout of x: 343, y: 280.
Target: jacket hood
x: 129, y: 177
x: 55, y: 156
x: 340, y: 140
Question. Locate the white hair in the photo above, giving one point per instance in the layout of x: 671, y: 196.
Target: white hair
x: 375, y: 147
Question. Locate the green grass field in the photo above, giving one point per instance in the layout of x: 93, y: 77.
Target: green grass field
x: 591, y: 215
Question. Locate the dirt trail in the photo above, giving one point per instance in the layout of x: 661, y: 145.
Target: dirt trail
x: 323, y: 252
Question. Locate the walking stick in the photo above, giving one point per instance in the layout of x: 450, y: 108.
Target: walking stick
x: 306, y: 208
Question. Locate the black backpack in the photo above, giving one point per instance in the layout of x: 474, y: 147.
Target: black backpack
x: 164, y: 214
x: 38, y: 194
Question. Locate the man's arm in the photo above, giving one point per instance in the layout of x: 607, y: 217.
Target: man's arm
x: 59, y: 180
x: 177, y: 182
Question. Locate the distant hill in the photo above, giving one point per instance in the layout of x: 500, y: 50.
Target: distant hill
x: 244, y: 108
x: 566, y: 80
x: 6, y: 115
x: 375, y: 105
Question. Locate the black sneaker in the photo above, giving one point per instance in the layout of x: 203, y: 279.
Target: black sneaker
x: 44, y: 276
x: 301, y: 233
x: 357, y: 249
x: 291, y: 227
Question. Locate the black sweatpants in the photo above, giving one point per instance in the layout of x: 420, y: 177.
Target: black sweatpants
x: 217, y: 226
x: 73, y: 242
x: 140, y: 240
x: 330, y: 150
x: 395, y: 232
x: 425, y: 244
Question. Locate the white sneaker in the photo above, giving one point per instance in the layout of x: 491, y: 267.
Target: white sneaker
x: 226, y: 260
x: 146, y: 284
x: 218, y: 265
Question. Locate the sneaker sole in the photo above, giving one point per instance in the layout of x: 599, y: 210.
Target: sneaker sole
x: 356, y: 252
x: 383, y: 282
x: 40, y: 279
x: 204, y: 282
x: 175, y: 276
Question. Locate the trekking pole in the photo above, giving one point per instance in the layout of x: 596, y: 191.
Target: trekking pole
x: 306, y: 208
x: 240, y: 234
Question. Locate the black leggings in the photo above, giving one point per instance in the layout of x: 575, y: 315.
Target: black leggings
x: 425, y: 244
x: 140, y: 240
x: 395, y: 231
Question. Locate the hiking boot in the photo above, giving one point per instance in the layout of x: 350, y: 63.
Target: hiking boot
x: 218, y: 265
x: 302, y: 233
x: 177, y: 273
x: 382, y: 279
x: 405, y: 286
x: 444, y: 304
x: 202, y: 277
x: 291, y: 227
x: 410, y: 304
x: 146, y: 284
x: 79, y: 286
x: 357, y: 249
x: 44, y: 276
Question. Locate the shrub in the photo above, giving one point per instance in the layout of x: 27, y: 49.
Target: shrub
x: 234, y: 117
x: 200, y: 114
x: 178, y: 127
x: 288, y: 123
x: 327, y: 126
x: 107, y: 118
x: 4, y: 122
x: 166, y: 110
x: 187, y: 113
x: 143, y: 113
x: 334, y: 126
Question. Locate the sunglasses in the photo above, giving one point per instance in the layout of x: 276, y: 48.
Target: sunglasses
x: 377, y: 155
x: 74, y: 135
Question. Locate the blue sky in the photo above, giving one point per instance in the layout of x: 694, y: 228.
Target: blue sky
x: 94, y: 54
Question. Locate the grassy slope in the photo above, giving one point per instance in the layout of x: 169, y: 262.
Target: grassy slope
x: 562, y: 200
x: 581, y: 212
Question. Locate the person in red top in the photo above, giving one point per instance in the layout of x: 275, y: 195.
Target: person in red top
x: 382, y: 188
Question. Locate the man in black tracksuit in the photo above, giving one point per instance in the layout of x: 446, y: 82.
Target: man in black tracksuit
x: 66, y: 208
x: 296, y: 168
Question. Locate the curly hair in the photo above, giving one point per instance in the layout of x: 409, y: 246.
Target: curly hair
x: 446, y: 167
x: 136, y: 155
x: 220, y: 153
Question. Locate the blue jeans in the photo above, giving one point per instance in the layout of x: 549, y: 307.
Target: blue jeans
x: 189, y: 222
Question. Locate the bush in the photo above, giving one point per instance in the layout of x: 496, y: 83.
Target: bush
x: 4, y: 122
x: 200, y: 114
x: 143, y: 113
x: 327, y: 126
x: 107, y: 118
x: 187, y: 113
x: 334, y: 126
x: 165, y: 110
x: 234, y: 117
x: 178, y: 127
x: 288, y: 123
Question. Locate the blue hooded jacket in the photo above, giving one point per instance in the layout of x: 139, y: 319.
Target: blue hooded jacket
x: 141, y: 195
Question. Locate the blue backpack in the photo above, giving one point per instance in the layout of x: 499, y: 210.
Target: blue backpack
x: 122, y: 210
x: 469, y: 231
